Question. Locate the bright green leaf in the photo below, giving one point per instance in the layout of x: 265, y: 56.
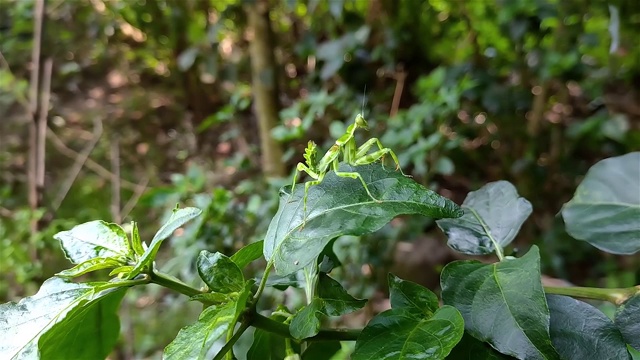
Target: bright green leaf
x: 248, y: 254
x: 495, y: 211
x: 212, y: 298
x: 95, y: 239
x: 412, y: 297
x: 580, y: 331
x: 605, y: 210
x: 136, y: 242
x: 194, y: 341
x: 91, y: 265
x: 627, y: 319
x: 332, y: 300
x: 90, y: 331
x: 401, y: 334
x: 340, y: 206
x: 124, y: 270
x: 470, y: 348
x: 219, y: 272
x: 502, y: 304
x: 177, y: 219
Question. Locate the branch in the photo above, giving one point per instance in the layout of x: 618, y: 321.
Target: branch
x: 115, y: 180
x: 133, y: 200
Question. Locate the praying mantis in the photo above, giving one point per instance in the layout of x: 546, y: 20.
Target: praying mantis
x: 352, y: 155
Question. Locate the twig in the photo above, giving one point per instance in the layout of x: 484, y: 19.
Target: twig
x: 115, y: 180
x: 81, y: 159
x: 45, y: 97
x: 133, y: 200
x: 92, y: 165
x: 400, y: 77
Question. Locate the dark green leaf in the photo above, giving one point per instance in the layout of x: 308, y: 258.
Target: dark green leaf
x: 605, y: 209
x: 502, y: 304
x: 580, y: 331
x: 321, y: 350
x: 89, y: 331
x: 401, y: 334
x: 328, y: 260
x: 219, y: 272
x: 194, y: 341
x: 627, y: 320
x: 332, y: 300
x: 22, y: 324
x: 469, y: 348
x: 177, y: 219
x: 95, y: 239
x: 340, y: 206
x: 496, y: 211
x: 412, y: 297
x: 269, y: 346
x: 283, y: 282
x: 91, y: 265
x: 248, y: 254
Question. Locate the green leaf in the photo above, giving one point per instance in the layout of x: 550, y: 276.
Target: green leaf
x: 411, y: 297
x: 328, y: 260
x: 502, y: 304
x: 269, y: 346
x: 580, y: 331
x: 219, y: 272
x: 321, y: 350
x: 89, y: 331
x: 495, y: 211
x: 212, y: 298
x: 332, y: 300
x: 340, y: 206
x: 23, y: 323
x: 471, y: 348
x: 248, y: 254
x: 94, y: 239
x: 177, y: 219
x: 401, y: 334
x: 194, y: 341
x: 605, y: 209
x: 627, y: 319
x: 91, y: 265
x: 136, y: 242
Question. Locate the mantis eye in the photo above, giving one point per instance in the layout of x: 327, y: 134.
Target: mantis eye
x: 361, y: 122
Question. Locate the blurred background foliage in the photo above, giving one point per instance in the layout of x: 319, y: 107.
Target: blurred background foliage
x: 151, y: 104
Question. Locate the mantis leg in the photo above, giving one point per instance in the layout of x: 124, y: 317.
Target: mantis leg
x: 302, y: 168
x: 353, y: 175
x: 362, y: 158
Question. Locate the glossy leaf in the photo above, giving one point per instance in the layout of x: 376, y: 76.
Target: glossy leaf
x: 89, y: 331
x: 91, y: 265
x: 23, y: 323
x: 340, y: 206
x: 471, y: 348
x: 411, y: 296
x: 580, y: 331
x: 248, y: 254
x: 627, y: 319
x: 94, y: 239
x: 332, y: 300
x: 502, y: 304
x: 219, y: 272
x: 136, y: 242
x: 495, y: 211
x: 321, y: 350
x: 402, y: 334
x: 605, y: 209
x: 194, y: 341
x: 177, y: 219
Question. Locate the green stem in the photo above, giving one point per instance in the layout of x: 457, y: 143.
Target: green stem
x: 173, y: 284
x: 615, y: 296
x: 264, y: 323
x: 263, y: 283
x: 228, y: 347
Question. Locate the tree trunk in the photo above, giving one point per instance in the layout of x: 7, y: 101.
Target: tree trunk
x: 265, y: 86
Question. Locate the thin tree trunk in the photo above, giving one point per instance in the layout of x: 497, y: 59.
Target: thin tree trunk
x: 265, y: 86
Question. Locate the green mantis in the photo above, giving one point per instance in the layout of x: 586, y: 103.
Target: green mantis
x: 352, y: 155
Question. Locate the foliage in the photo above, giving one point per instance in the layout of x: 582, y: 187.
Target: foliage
x: 503, y: 304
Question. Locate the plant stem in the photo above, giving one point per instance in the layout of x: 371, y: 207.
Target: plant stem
x: 228, y: 347
x: 173, y: 284
x: 264, y: 323
x: 615, y: 296
x: 263, y: 283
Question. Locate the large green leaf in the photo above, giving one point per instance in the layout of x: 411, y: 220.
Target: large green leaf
x: 22, y: 324
x: 580, y: 331
x: 321, y: 350
x: 89, y: 331
x: 502, y: 304
x: 270, y: 346
x: 178, y: 218
x: 414, y: 328
x: 248, y: 254
x: 332, y: 300
x: 340, y: 206
x: 494, y: 212
x: 470, y: 348
x: 95, y: 239
x: 605, y: 210
x: 91, y: 265
x: 195, y: 341
x: 627, y: 319
x: 219, y: 272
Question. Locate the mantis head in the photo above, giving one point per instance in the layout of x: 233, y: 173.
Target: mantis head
x: 361, y: 122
